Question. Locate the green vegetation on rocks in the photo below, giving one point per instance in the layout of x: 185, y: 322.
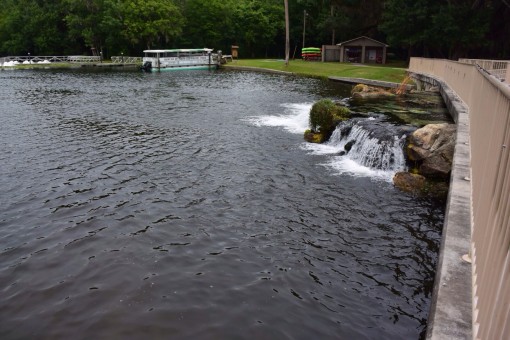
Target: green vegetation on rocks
x: 324, y: 117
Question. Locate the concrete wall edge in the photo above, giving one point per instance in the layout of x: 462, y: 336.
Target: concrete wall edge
x: 450, y: 314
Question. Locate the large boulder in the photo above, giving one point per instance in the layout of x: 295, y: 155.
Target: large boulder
x: 409, y: 182
x: 420, y: 185
x: 432, y: 148
x: 362, y: 91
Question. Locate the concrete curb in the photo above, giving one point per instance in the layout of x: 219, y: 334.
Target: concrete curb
x: 353, y: 81
x: 379, y: 83
x: 258, y: 69
x: 451, y: 309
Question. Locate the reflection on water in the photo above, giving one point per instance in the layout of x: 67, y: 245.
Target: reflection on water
x: 154, y: 206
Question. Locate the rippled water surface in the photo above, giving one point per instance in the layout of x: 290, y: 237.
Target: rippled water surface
x: 154, y: 206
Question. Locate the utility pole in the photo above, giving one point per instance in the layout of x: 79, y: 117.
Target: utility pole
x: 287, y: 35
x: 304, y: 26
x: 333, y: 30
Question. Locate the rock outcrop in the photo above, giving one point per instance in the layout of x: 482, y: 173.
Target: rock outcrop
x: 430, y: 150
x: 362, y: 91
x: 409, y: 182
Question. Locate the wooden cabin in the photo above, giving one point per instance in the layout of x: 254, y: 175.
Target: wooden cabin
x: 363, y: 50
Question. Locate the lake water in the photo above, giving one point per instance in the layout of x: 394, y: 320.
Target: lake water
x: 186, y: 205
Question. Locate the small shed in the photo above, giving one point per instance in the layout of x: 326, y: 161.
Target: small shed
x: 235, y: 50
x: 363, y: 50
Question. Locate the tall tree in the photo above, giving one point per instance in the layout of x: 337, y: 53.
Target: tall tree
x: 28, y: 26
x: 135, y: 23
x: 442, y: 28
x: 435, y: 27
x: 208, y: 23
x: 84, y: 20
x: 257, y: 25
x: 287, y: 39
x: 151, y: 22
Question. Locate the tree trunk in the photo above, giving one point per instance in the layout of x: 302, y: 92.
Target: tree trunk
x: 287, y: 35
x: 333, y: 30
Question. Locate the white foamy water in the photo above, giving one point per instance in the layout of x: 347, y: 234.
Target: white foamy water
x: 368, y: 157
x: 294, y: 118
x: 344, y: 165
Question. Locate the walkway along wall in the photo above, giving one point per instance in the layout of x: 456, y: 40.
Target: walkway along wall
x: 483, y: 174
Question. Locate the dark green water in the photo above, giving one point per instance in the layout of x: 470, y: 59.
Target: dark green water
x: 157, y: 206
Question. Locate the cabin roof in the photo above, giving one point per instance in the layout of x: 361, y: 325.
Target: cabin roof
x: 184, y: 50
x: 363, y: 40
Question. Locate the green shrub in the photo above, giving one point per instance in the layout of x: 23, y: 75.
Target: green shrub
x: 325, y: 115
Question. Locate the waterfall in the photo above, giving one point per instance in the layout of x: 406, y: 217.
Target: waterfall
x: 365, y: 147
x: 370, y: 147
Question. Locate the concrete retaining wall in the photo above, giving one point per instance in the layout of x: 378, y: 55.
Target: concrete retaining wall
x: 451, y: 309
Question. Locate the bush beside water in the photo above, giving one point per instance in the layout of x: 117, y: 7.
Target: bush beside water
x: 324, y: 117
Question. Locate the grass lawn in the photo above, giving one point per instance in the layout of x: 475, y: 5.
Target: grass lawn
x: 392, y: 72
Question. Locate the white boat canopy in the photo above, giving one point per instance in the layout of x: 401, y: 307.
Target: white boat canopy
x: 180, y: 50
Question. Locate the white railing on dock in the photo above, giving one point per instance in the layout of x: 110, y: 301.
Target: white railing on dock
x: 84, y: 59
x: 52, y: 59
x: 488, y: 100
x: 498, y: 68
x: 126, y: 60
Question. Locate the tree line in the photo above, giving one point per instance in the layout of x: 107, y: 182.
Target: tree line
x: 436, y: 28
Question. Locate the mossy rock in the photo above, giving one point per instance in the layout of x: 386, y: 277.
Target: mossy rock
x: 359, y: 88
x: 362, y: 91
x: 314, y: 137
x: 419, y: 185
x: 408, y: 182
x: 325, y: 116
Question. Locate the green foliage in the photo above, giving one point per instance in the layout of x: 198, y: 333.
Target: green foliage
x: 436, y: 27
x: 150, y: 22
x: 257, y: 25
x: 84, y: 20
x: 424, y: 27
x: 28, y: 26
x: 208, y: 24
x: 325, y: 115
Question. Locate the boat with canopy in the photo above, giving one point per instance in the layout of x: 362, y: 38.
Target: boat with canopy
x: 196, y: 58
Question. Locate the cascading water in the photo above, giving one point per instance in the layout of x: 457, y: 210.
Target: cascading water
x: 365, y: 147
x: 374, y: 149
x: 369, y: 146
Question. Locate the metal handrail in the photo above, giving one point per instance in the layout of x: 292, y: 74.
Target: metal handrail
x: 498, y: 68
x: 126, y: 60
x: 52, y: 59
x: 488, y: 101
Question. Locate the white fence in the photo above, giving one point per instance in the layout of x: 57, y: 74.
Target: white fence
x: 488, y: 100
x: 52, y: 59
x: 69, y: 59
x: 498, y: 68
x: 126, y: 60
